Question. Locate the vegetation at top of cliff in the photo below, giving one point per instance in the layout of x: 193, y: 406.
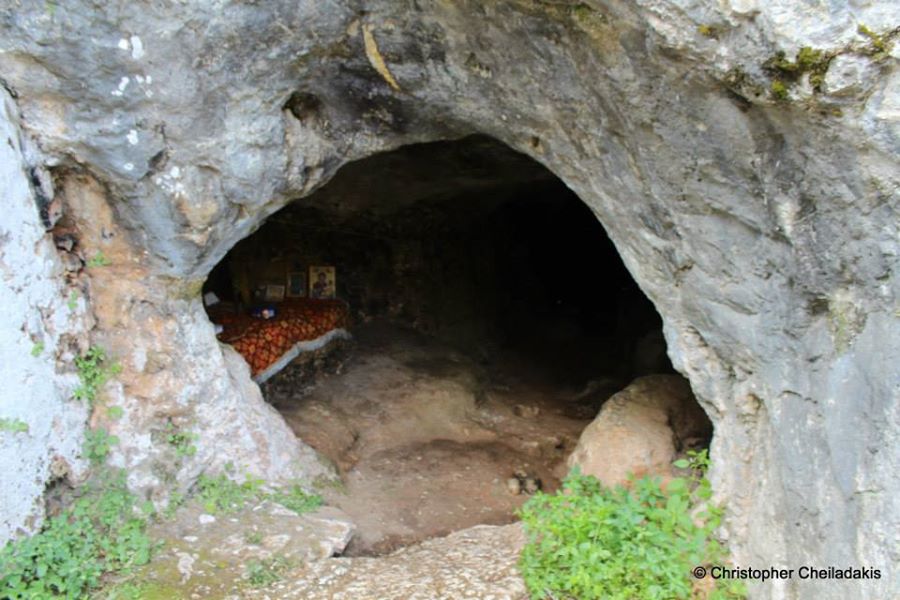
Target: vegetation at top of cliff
x: 100, y: 532
x: 591, y: 542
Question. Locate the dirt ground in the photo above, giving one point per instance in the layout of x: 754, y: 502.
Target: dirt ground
x: 426, y: 439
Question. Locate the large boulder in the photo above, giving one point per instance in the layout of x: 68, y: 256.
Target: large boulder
x: 640, y: 429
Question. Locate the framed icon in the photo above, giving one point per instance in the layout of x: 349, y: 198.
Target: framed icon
x: 274, y: 293
x: 296, y: 284
x: 322, y: 282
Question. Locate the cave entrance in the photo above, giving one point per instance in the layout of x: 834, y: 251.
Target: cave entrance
x: 490, y: 316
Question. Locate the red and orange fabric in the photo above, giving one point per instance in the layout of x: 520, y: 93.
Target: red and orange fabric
x: 263, y: 341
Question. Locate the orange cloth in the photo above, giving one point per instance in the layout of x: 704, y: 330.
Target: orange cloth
x: 263, y: 341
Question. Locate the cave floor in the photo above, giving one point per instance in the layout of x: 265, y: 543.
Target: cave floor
x: 425, y: 438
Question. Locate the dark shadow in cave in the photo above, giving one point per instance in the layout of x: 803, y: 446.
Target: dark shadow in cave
x: 491, y: 315
x: 468, y: 241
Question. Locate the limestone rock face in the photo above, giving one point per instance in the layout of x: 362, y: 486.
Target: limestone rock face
x: 40, y: 331
x: 208, y: 556
x: 760, y: 219
x: 639, y: 430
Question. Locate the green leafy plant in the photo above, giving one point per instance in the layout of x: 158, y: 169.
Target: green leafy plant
x: 182, y: 441
x: 99, y: 533
x: 297, y: 500
x: 878, y: 43
x: 591, y: 542
x: 13, y: 425
x: 115, y: 412
x: 94, y: 371
x: 222, y: 495
x: 323, y: 482
x: 126, y: 590
x: 261, y: 573
x: 72, y: 302
x: 37, y: 349
x: 98, y: 260
x: 176, y: 500
x: 779, y: 90
x: 809, y: 60
x: 253, y: 537
x: 97, y: 445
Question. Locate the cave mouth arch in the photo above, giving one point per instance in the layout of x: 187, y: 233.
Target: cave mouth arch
x: 491, y: 319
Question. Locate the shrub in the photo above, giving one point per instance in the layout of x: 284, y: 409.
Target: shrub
x: 589, y: 542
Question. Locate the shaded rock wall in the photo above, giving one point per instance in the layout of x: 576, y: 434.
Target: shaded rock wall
x: 761, y: 219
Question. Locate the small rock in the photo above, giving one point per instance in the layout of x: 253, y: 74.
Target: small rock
x: 525, y: 411
x: 206, y: 519
x: 531, y: 485
x: 71, y: 262
x: 65, y: 242
x: 514, y: 486
x: 185, y: 566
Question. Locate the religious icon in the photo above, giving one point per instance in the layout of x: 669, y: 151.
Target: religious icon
x: 296, y: 284
x: 321, y: 282
x: 274, y: 293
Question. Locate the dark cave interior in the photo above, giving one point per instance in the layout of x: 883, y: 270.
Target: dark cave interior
x: 491, y: 318
x: 467, y: 241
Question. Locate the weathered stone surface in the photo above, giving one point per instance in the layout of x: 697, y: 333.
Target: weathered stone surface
x: 765, y: 232
x: 639, y: 430
x: 150, y: 325
x: 210, y: 556
x: 40, y: 428
x: 477, y: 563
x: 849, y: 75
